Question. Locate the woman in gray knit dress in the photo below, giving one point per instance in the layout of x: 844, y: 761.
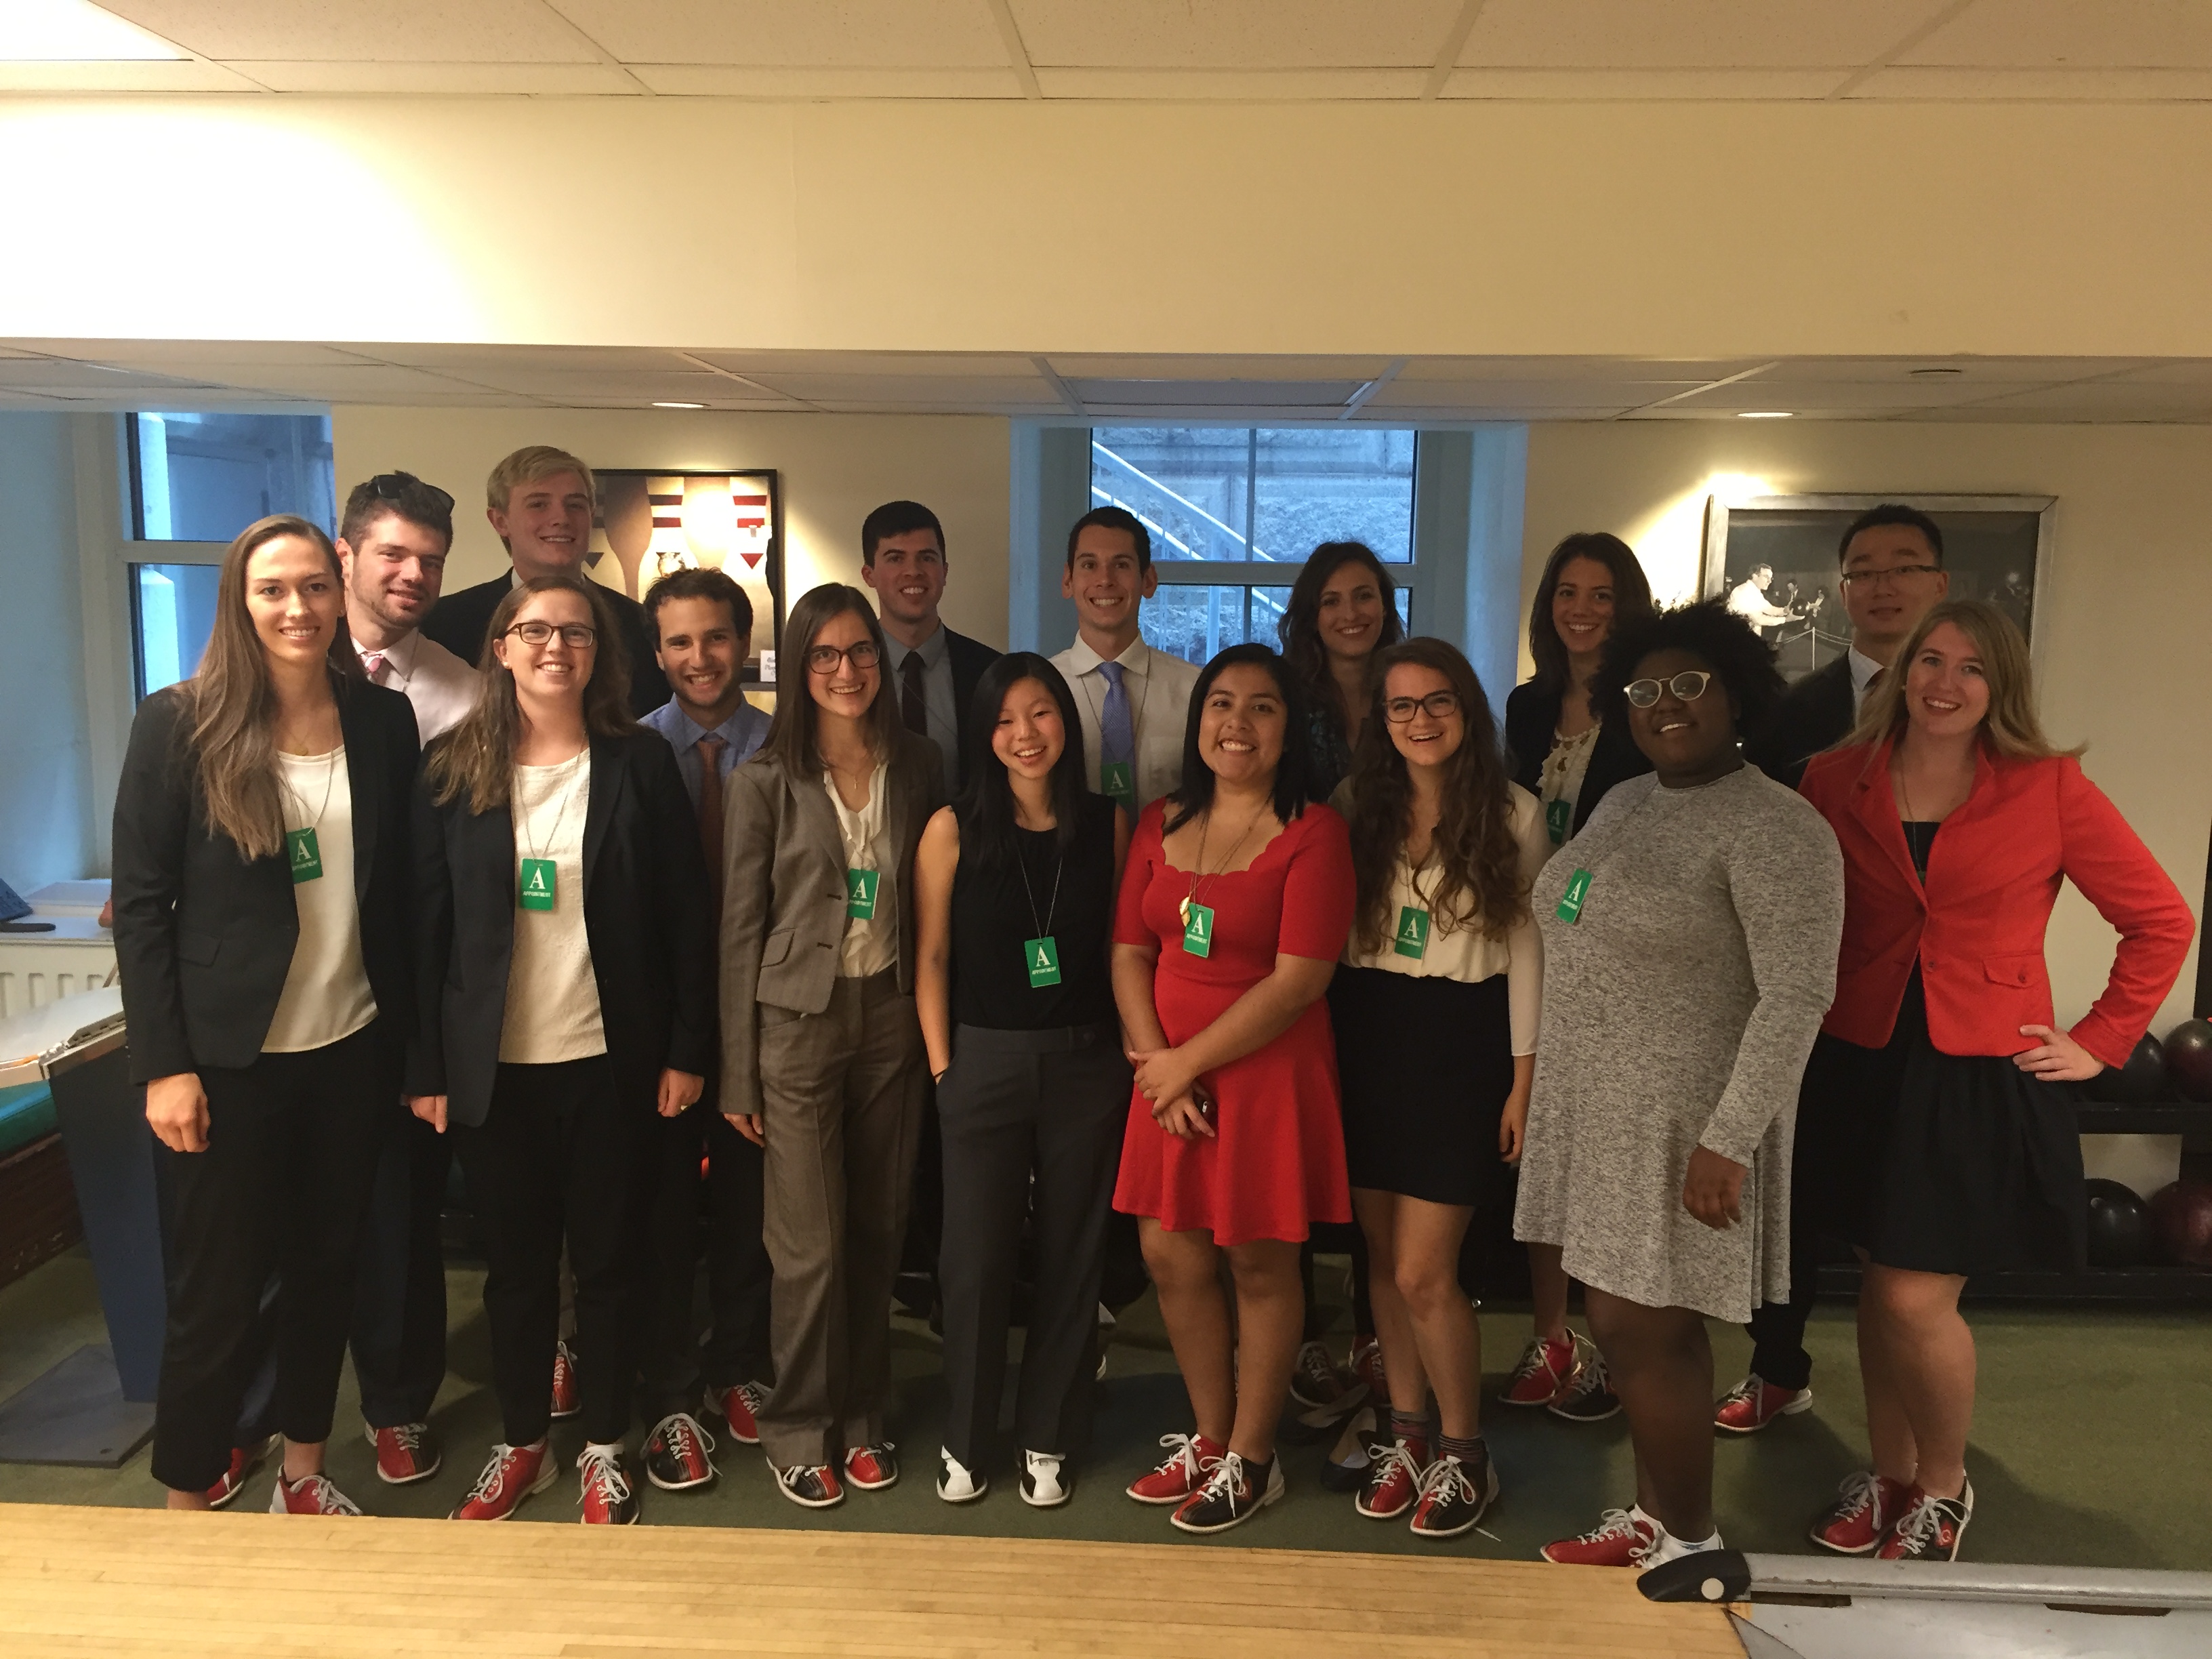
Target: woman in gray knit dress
x: 1690, y: 936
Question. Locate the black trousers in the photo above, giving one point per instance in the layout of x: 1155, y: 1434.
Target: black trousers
x: 675, y: 1366
x: 283, y: 1189
x: 1032, y: 1126
x: 399, y: 1293
x: 1778, y: 1328
x: 559, y: 1155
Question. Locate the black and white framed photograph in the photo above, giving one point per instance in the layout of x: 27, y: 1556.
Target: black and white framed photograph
x: 652, y: 523
x: 1775, y: 560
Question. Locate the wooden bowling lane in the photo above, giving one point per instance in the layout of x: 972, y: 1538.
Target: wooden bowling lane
x: 143, y: 1581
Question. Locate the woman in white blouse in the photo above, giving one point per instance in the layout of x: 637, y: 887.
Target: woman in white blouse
x: 1436, y: 1011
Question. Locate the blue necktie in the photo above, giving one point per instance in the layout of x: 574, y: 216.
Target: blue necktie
x: 1117, y: 738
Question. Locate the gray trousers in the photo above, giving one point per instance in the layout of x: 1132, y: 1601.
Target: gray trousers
x: 1033, y: 1122
x: 841, y: 1101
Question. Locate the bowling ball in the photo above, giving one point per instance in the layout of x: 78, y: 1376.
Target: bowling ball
x: 2181, y: 1221
x: 2142, y: 1079
x: 2119, y: 1226
x: 2188, y: 1059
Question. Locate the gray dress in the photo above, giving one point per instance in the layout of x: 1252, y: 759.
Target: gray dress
x: 1678, y: 1010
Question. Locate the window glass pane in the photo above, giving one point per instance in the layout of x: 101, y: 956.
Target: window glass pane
x: 1194, y: 623
x: 174, y: 608
x: 1313, y: 485
x: 205, y: 477
x: 1191, y: 485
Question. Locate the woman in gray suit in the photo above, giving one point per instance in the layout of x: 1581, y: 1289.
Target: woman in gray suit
x: 822, y: 1053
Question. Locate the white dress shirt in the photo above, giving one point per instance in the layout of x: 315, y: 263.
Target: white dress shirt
x: 1158, y: 687
x: 1863, y: 668
x: 442, y: 687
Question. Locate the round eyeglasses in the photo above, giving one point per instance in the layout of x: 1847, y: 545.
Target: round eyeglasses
x: 824, y: 659
x: 1689, y: 685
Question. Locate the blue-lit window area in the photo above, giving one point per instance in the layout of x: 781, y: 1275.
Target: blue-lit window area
x: 173, y: 606
x: 205, y: 477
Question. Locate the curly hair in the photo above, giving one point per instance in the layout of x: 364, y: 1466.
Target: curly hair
x: 1708, y: 630
x: 1478, y: 861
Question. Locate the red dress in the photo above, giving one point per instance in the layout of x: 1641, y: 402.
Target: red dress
x: 1276, y: 1165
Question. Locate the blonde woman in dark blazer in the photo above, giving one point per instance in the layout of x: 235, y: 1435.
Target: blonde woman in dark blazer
x: 822, y: 1053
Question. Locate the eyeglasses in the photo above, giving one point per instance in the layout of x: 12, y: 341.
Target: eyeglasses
x: 577, y: 636
x: 1689, y: 685
x: 405, y: 486
x: 1896, y: 572
x: 824, y: 659
x: 1438, y: 705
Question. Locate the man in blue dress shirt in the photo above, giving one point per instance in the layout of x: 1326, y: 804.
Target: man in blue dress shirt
x: 702, y: 625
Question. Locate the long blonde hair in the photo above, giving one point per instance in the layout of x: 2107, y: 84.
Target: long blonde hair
x: 234, y: 699
x: 2011, y: 727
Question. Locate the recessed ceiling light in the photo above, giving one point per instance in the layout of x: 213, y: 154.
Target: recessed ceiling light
x: 1937, y: 374
x: 679, y: 405
x: 74, y: 32
x: 1765, y: 414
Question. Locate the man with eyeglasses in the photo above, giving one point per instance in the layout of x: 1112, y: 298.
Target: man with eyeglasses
x: 1893, y: 575
x: 541, y: 502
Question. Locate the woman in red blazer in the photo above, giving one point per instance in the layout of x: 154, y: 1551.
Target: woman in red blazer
x: 1932, y: 1098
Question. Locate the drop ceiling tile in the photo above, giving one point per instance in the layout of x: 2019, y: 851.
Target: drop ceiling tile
x: 786, y: 34
x: 339, y: 384
x: 1689, y: 34
x: 1977, y: 373
x: 2131, y: 86
x: 436, y: 79
x: 1687, y: 371
x: 370, y: 31
x: 1233, y: 33
x: 1825, y: 398
x: 2181, y: 371
x: 1609, y: 85
x: 889, y: 364
x: 695, y: 387
x: 1194, y: 395
x: 61, y: 375
x: 913, y: 390
x: 732, y: 80
x: 1479, y: 395
x: 2072, y: 34
x: 464, y: 360
x: 1453, y: 412
x: 156, y: 75
x: 2106, y: 400
x: 194, y: 357
x: 1079, y: 365
x: 1232, y: 86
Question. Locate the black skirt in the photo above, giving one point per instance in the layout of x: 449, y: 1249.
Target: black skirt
x: 1425, y: 1065
x: 1947, y: 1164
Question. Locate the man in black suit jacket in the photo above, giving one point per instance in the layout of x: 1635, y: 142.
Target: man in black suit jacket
x: 903, y: 560
x: 1893, y: 575
x: 540, y: 501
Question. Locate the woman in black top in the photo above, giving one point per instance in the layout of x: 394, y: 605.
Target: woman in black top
x: 1014, y: 895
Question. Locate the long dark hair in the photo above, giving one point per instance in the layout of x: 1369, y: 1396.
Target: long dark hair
x: 1300, y: 628
x: 791, y: 732
x: 1631, y: 599
x: 1477, y: 858
x: 1195, y: 792
x: 476, y: 757
x: 986, y: 806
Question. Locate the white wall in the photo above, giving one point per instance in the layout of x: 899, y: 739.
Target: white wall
x: 45, y: 805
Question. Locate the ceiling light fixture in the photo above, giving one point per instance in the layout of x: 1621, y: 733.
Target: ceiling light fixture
x: 1765, y: 414
x: 679, y: 405
x: 1937, y: 374
x: 74, y: 32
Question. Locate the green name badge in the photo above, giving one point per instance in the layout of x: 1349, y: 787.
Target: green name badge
x: 1116, y: 782
x: 1042, y: 957
x: 1198, y: 930
x: 1413, y: 938
x: 1559, y: 818
x: 538, y: 876
x: 306, y: 857
x: 1571, y: 904
x: 860, y: 894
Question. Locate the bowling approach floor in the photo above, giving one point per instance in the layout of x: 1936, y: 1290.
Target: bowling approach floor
x: 2093, y: 1446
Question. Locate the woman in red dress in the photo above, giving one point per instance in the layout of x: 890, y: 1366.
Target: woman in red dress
x: 1234, y: 907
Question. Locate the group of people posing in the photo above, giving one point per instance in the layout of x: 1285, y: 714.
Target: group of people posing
x: 1291, y: 942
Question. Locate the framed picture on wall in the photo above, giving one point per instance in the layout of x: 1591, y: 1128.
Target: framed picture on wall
x: 1776, y: 559
x: 651, y: 523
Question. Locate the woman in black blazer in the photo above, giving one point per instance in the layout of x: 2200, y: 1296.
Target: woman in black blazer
x: 1561, y: 751
x: 260, y: 873
x: 564, y: 967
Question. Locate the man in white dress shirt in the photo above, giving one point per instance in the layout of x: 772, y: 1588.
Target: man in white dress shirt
x: 1133, y: 700
x: 393, y: 546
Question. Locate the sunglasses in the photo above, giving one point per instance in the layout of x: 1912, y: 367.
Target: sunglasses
x: 1689, y: 685
x: 406, y: 487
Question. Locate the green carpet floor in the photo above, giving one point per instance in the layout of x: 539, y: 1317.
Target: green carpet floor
x: 2092, y: 1444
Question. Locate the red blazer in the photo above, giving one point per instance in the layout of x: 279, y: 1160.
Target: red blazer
x: 1977, y: 928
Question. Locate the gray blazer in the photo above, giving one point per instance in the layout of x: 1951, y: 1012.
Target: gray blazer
x: 783, y: 903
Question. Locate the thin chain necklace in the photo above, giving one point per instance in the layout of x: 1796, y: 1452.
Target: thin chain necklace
x: 568, y: 789
x: 1052, y: 905
x: 1204, y: 824
x: 330, y: 778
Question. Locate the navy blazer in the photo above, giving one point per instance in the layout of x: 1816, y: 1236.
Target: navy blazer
x: 1816, y: 713
x: 648, y: 918
x: 204, y: 936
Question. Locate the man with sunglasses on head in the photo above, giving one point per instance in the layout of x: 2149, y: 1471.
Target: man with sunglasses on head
x: 1892, y: 575
x: 541, y: 501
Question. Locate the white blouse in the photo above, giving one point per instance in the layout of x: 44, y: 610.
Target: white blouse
x: 552, y: 996
x: 326, y: 995
x: 1466, y: 953
x: 871, y: 944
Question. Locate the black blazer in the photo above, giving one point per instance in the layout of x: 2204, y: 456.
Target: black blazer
x: 1814, y: 714
x: 203, y: 936
x: 458, y: 620
x: 1532, y: 715
x: 648, y: 917
x: 969, y: 657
